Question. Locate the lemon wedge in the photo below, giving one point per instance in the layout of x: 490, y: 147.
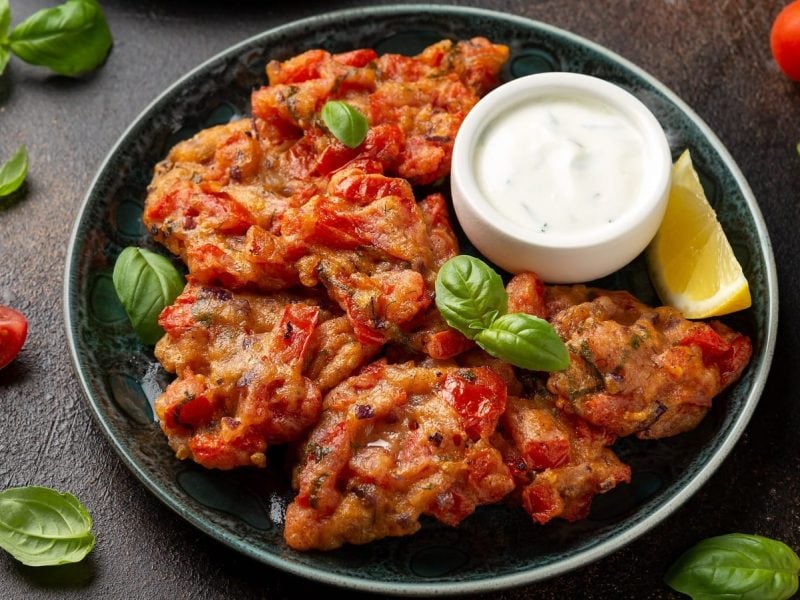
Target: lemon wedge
x: 690, y: 260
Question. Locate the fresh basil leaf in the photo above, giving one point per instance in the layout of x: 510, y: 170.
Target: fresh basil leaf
x: 13, y: 172
x: 345, y: 122
x: 40, y: 526
x: 469, y: 294
x: 70, y: 39
x: 146, y: 282
x: 736, y: 565
x: 525, y: 341
x: 5, y: 22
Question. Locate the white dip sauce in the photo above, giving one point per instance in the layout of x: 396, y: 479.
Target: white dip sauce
x: 559, y: 164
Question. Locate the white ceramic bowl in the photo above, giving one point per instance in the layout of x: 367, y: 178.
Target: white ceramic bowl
x: 565, y: 257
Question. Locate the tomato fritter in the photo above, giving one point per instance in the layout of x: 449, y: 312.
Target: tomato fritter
x: 425, y: 98
x: 559, y: 461
x: 367, y: 241
x: 217, y: 199
x: 396, y: 442
x: 275, y: 201
x: 372, y: 247
x: 635, y: 369
x: 228, y: 229
x: 251, y: 371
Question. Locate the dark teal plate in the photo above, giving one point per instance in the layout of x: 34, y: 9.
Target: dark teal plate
x: 498, y: 546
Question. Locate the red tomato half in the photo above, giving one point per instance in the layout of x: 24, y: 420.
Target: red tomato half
x: 13, y: 330
x: 785, y: 40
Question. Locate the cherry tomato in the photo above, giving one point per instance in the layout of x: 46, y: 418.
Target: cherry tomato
x: 13, y: 330
x: 785, y: 40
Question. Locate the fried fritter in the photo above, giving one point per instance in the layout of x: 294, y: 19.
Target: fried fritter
x: 634, y: 369
x: 251, y: 371
x: 393, y: 443
x: 559, y: 461
x: 423, y: 98
x: 275, y: 202
x: 218, y: 198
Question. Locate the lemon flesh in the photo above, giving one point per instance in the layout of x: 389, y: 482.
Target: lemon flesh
x: 690, y: 260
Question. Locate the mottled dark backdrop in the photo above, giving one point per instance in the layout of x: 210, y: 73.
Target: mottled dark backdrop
x: 714, y: 55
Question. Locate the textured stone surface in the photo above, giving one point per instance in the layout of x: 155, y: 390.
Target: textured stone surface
x: 714, y: 55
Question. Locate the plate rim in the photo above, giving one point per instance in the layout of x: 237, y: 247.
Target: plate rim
x: 489, y: 583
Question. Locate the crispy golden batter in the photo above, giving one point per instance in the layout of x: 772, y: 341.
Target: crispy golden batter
x: 421, y: 100
x: 634, y: 369
x: 396, y: 442
x: 275, y: 202
x: 559, y: 461
x: 217, y: 199
x: 251, y: 371
x: 370, y: 245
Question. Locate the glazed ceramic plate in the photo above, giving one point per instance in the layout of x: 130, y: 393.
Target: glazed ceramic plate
x: 498, y: 546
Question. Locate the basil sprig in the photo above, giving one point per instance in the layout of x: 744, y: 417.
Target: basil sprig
x: 345, y: 122
x: 525, y: 341
x: 471, y: 298
x: 470, y: 295
x: 70, y: 39
x: 40, y: 526
x: 13, y: 171
x: 5, y: 22
x: 146, y: 282
x: 736, y: 565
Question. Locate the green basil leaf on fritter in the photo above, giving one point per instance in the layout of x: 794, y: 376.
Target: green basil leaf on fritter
x: 345, y: 122
x: 525, y: 341
x: 469, y: 294
x: 736, y: 565
x: 40, y: 526
x: 146, y: 282
x: 13, y: 172
x: 70, y: 39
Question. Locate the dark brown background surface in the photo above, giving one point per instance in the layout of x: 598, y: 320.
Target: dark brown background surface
x: 715, y: 55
